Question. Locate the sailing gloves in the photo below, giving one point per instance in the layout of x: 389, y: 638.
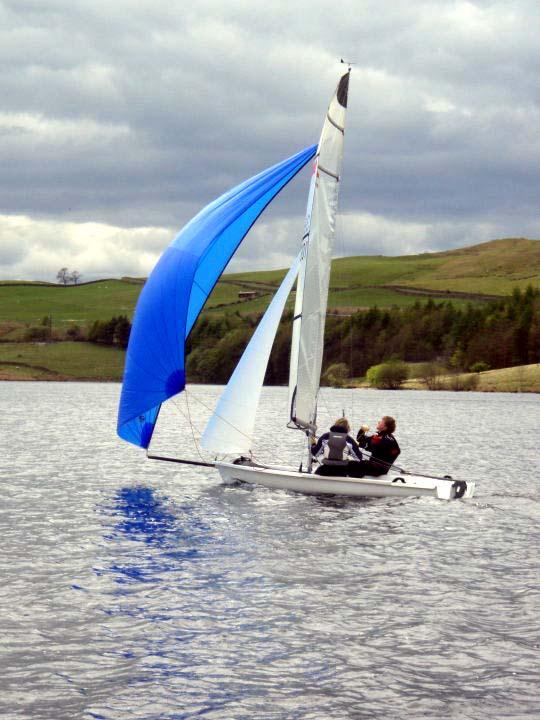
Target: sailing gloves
x: 363, y: 430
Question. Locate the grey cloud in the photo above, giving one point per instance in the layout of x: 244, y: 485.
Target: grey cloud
x: 142, y: 112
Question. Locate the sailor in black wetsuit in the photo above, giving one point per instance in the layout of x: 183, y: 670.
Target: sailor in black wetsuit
x: 336, y: 446
x: 383, y: 447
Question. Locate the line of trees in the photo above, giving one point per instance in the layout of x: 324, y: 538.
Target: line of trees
x: 497, y: 334
x: 115, y: 331
x: 65, y: 277
x: 473, y: 338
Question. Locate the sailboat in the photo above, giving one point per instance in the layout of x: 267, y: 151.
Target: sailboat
x: 174, y: 296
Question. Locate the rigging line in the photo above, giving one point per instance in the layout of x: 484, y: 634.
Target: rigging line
x: 192, y: 429
x: 221, y: 417
x: 322, y: 397
x: 173, y: 402
x: 187, y: 416
x: 351, y: 374
x: 225, y: 421
x: 390, y: 466
x: 341, y: 359
x: 182, y: 412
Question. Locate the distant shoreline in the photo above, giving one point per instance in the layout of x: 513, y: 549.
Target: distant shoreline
x: 517, y: 379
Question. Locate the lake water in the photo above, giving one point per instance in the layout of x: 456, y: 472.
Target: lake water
x: 140, y: 589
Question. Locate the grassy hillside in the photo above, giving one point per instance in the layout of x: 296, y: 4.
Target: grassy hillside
x: 71, y: 304
x: 60, y: 361
x: 493, y: 268
x: 84, y: 361
x: 82, y: 304
x: 522, y: 378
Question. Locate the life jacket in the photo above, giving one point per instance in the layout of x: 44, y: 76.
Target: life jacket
x: 335, y: 450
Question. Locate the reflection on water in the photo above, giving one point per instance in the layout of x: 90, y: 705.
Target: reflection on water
x: 166, y: 539
x: 138, y: 590
x: 145, y: 517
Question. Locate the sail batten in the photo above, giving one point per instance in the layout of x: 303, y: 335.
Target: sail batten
x: 177, y: 290
x: 314, y: 274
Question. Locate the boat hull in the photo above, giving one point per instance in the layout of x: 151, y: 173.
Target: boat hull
x: 390, y: 485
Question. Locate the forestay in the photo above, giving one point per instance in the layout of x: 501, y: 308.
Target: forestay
x: 314, y: 273
x: 176, y: 291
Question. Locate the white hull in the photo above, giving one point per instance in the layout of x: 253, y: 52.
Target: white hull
x: 391, y: 485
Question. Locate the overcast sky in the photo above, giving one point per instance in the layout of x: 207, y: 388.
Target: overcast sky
x: 119, y: 120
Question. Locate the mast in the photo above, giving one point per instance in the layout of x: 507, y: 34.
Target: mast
x: 314, y: 273
x: 231, y: 427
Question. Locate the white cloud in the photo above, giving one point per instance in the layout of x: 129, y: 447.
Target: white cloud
x: 50, y: 130
x: 37, y: 249
x: 135, y: 114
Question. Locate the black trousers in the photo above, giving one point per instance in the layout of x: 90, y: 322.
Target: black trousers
x: 365, y: 467
x: 333, y: 470
x: 353, y: 469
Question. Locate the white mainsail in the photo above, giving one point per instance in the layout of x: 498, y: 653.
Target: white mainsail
x: 231, y: 427
x: 314, y: 273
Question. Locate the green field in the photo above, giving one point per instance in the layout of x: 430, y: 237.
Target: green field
x: 70, y: 304
x: 85, y: 361
x: 521, y: 378
x: 493, y: 268
x: 82, y: 304
x: 60, y: 361
x: 524, y: 378
x: 365, y: 271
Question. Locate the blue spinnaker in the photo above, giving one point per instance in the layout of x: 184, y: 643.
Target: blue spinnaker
x: 177, y: 289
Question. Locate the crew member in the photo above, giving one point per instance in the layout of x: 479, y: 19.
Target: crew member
x: 383, y: 447
x: 336, y: 446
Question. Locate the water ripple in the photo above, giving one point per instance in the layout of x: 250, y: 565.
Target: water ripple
x: 134, y: 590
